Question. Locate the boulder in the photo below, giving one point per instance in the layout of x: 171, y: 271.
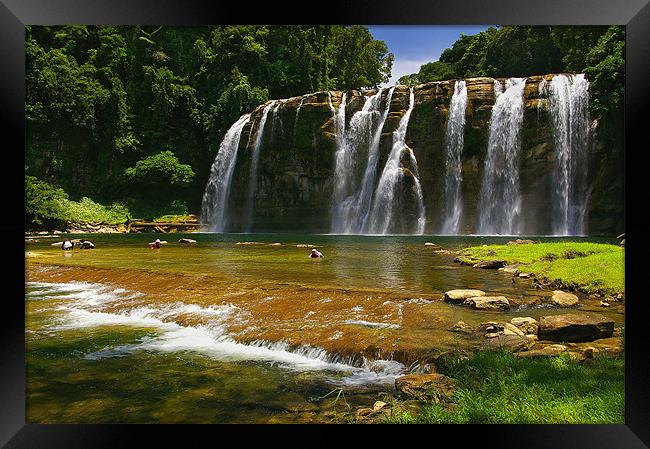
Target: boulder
x: 512, y: 330
x: 512, y: 343
x: 433, y: 386
x: 564, y: 299
x: 490, y: 264
x: 510, y: 269
x: 488, y: 303
x: 527, y: 324
x: 186, y: 241
x: 460, y: 295
x: 575, y: 327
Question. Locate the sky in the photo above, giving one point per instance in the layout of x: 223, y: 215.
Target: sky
x: 414, y: 45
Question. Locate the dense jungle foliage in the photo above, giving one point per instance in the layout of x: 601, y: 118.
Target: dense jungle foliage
x: 133, y: 116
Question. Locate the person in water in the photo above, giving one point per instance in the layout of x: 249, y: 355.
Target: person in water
x: 155, y: 244
x: 66, y: 245
x: 315, y: 253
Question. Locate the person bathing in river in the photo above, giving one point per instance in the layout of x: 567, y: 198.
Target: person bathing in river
x: 66, y: 245
x: 315, y: 253
x: 155, y: 244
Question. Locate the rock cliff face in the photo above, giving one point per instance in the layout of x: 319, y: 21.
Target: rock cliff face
x: 295, y: 174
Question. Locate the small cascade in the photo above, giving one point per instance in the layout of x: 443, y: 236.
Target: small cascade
x: 386, y: 209
x: 568, y: 98
x: 252, y: 180
x: 214, y: 207
x: 295, y: 120
x: 453, y: 151
x: 500, y: 202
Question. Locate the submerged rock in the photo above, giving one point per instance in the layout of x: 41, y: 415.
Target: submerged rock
x: 434, y: 386
x: 460, y: 295
x: 575, y: 327
x: 461, y: 326
x: 488, y: 303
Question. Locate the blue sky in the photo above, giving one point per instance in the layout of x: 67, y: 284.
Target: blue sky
x: 414, y: 45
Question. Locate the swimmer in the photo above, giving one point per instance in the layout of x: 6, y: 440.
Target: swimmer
x: 315, y: 253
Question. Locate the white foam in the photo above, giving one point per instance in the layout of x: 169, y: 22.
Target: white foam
x: 372, y: 324
x: 210, y: 339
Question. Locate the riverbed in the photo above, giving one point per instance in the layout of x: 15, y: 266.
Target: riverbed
x: 246, y: 328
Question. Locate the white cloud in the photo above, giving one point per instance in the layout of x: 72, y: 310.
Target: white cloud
x: 403, y: 67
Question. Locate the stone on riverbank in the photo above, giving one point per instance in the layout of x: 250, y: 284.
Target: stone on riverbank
x: 563, y: 299
x: 520, y: 242
x: 434, y: 386
x: 512, y: 343
x: 488, y: 303
x: 459, y: 295
x: 547, y: 351
x: 575, y: 327
x: 490, y: 264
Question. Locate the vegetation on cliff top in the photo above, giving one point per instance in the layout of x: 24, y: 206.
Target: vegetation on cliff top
x: 583, y: 266
x: 598, y: 51
x: 498, y: 387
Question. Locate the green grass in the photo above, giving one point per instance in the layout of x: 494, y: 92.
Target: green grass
x: 588, y: 267
x: 497, y: 387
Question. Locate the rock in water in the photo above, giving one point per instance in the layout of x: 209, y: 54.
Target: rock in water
x: 488, y: 303
x: 460, y: 295
x: 527, y: 324
x: 434, y: 386
x: 564, y: 299
x: 575, y: 327
x: 186, y: 241
x: 490, y: 264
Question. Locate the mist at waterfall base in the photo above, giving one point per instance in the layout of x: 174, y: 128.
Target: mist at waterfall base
x: 369, y: 198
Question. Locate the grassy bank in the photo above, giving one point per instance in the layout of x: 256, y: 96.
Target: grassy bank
x: 498, y: 387
x: 588, y: 267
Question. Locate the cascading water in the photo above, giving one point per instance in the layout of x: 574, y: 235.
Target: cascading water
x: 568, y: 98
x: 351, y: 201
x: 500, y: 203
x: 384, y: 211
x: 214, y: 207
x: 252, y: 183
x: 453, y: 150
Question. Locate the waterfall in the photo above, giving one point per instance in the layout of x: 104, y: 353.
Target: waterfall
x: 569, y: 114
x: 295, y: 120
x: 214, y: 207
x: 453, y: 150
x: 252, y: 179
x: 384, y: 209
x: 352, y: 200
x: 500, y: 203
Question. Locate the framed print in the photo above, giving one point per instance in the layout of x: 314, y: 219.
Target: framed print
x: 260, y: 216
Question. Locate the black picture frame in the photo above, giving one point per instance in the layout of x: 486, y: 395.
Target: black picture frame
x: 15, y: 14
